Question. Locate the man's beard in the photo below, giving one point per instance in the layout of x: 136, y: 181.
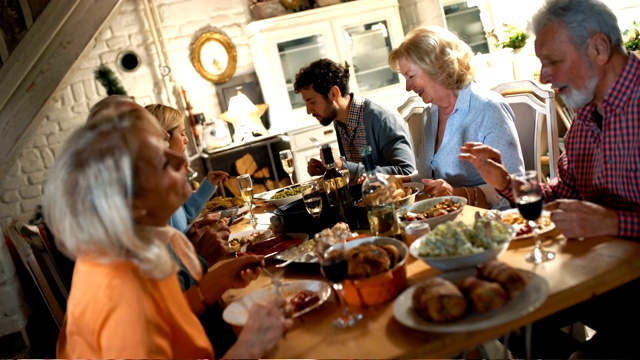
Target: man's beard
x: 577, y: 98
x: 327, y: 119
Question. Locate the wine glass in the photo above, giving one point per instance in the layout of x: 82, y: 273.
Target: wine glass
x: 287, y: 163
x: 332, y: 256
x: 528, y: 196
x: 245, y: 184
x: 312, y: 199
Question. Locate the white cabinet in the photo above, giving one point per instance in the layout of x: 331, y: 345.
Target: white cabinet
x: 361, y: 33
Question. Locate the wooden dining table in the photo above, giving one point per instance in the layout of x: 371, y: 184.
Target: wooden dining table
x: 581, y: 270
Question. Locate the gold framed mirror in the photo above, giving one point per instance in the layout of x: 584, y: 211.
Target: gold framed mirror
x: 215, y: 57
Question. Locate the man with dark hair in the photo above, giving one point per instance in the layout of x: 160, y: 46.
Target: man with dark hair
x: 324, y: 86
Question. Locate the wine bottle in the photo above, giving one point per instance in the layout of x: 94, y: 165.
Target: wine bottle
x: 335, y: 185
x: 376, y: 195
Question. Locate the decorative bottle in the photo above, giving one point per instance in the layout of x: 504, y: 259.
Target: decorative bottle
x: 336, y: 186
x: 376, y: 195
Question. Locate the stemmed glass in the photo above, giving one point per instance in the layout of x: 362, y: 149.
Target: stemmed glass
x: 332, y: 256
x: 345, y: 171
x: 528, y: 196
x: 246, y: 191
x: 312, y: 199
x: 287, y: 163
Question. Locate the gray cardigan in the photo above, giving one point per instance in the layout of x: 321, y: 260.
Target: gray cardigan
x: 390, y: 141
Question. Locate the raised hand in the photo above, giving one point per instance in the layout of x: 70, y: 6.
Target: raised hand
x: 437, y: 187
x: 487, y: 161
x: 217, y: 177
x: 316, y: 167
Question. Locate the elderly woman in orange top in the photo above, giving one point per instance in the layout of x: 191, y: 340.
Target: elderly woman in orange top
x: 125, y: 298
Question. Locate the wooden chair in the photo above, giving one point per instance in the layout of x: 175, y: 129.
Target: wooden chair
x: 411, y: 111
x: 40, y: 264
x: 536, y: 123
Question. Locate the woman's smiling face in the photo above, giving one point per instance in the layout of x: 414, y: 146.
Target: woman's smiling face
x: 417, y: 80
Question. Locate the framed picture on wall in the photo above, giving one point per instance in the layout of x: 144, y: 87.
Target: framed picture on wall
x: 248, y: 84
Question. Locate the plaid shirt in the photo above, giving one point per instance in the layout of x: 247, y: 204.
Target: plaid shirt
x: 352, y: 134
x: 603, y: 167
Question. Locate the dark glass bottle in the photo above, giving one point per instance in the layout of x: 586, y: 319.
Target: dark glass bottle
x: 336, y: 186
x: 376, y: 195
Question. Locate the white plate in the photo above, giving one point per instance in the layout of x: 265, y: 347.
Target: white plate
x: 530, y: 299
x: 303, y: 253
x: 266, y: 196
x: 238, y: 311
x: 542, y: 231
x: 418, y: 185
x: 424, y: 205
x: 267, y: 233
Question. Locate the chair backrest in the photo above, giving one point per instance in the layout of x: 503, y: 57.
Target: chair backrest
x: 411, y: 111
x: 38, y: 261
x: 535, y: 111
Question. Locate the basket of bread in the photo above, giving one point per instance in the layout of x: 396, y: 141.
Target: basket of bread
x: 377, y: 272
x: 403, y: 194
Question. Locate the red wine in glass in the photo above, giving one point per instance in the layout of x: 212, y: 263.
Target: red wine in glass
x: 335, y: 270
x: 530, y: 206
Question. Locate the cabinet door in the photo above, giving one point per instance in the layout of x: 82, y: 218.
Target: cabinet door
x: 288, y: 50
x: 365, y: 42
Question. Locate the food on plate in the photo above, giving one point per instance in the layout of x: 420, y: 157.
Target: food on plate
x: 304, y: 252
x: 483, y: 295
x: 439, y: 300
x: 367, y: 260
x: 236, y: 244
x: 220, y: 202
x: 398, y: 191
x: 302, y: 300
x: 511, y: 280
x: 341, y: 226
x: 274, y: 245
x: 457, y: 238
x: 442, y: 208
x: 515, y: 219
x: 285, y: 193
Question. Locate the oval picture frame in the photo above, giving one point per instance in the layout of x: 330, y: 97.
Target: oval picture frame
x: 215, y: 57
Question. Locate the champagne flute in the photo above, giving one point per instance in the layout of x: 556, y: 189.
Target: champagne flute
x: 528, y: 196
x: 332, y: 256
x: 287, y: 163
x: 345, y: 171
x: 312, y: 199
x: 246, y: 191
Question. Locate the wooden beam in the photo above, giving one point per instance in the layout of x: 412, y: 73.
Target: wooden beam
x: 4, y: 51
x: 40, y: 63
x: 26, y: 13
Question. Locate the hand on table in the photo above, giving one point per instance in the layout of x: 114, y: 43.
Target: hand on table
x: 580, y: 219
x: 210, y: 238
x: 235, y: 273
x: 437, y: 187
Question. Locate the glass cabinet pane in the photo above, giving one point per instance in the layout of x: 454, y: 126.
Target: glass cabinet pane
x: 296, y: 53
x: 369, y: 45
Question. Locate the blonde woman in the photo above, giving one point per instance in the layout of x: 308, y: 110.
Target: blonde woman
x: 104, y: 212
x: 437, y: 66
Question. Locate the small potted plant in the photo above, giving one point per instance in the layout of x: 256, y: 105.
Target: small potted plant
x: 516, y: 37
x: 631, y: 38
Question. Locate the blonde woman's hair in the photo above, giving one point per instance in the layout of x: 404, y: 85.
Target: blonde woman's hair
x: 90, y: 189
x: 168, y: 117
x: 438, y: 52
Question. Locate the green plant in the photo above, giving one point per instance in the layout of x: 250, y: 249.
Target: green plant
x: 109, y: 80
x: 517, y: 38
x: 631, y: 38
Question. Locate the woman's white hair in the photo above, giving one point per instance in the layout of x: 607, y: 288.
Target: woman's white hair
x: 89, y: 191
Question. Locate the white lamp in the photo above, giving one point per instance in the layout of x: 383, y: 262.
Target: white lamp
x: 239, y: 108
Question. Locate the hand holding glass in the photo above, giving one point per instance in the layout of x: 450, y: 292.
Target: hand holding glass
x: 245, y: 184
x: 332, y: 256
x: 528, y: 197
x: 287, y: 163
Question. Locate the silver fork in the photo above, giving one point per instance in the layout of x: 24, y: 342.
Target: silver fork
x: 314, y: 141
x: 275, y: 281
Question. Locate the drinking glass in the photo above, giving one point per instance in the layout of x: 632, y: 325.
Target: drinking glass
x: 287, y: 163
x: 332, y: 256
x: 345, y: 171
x: 312, y: 199
x: 245, y: 184
x: 528, y: 197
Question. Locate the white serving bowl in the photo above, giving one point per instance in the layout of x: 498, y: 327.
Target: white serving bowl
x: 424, y: 205
x: 267, y: 196
x: 449, y: 263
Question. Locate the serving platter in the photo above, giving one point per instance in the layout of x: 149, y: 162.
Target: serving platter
x: 531, y: 298
x: 545, y: 224
x: 238, y: 311
x: 264, y: 233
x: 303, y: 253
x: 268, y: 196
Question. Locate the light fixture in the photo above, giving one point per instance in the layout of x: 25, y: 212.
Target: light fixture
x: 240, y: 106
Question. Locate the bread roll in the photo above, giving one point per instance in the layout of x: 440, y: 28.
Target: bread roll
x: 483, y: 295
x: 439, y: 300
x: 366, y: 260
x: 511, y: 280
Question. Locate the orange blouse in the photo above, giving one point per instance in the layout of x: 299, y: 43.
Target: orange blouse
x: 115, y: 312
